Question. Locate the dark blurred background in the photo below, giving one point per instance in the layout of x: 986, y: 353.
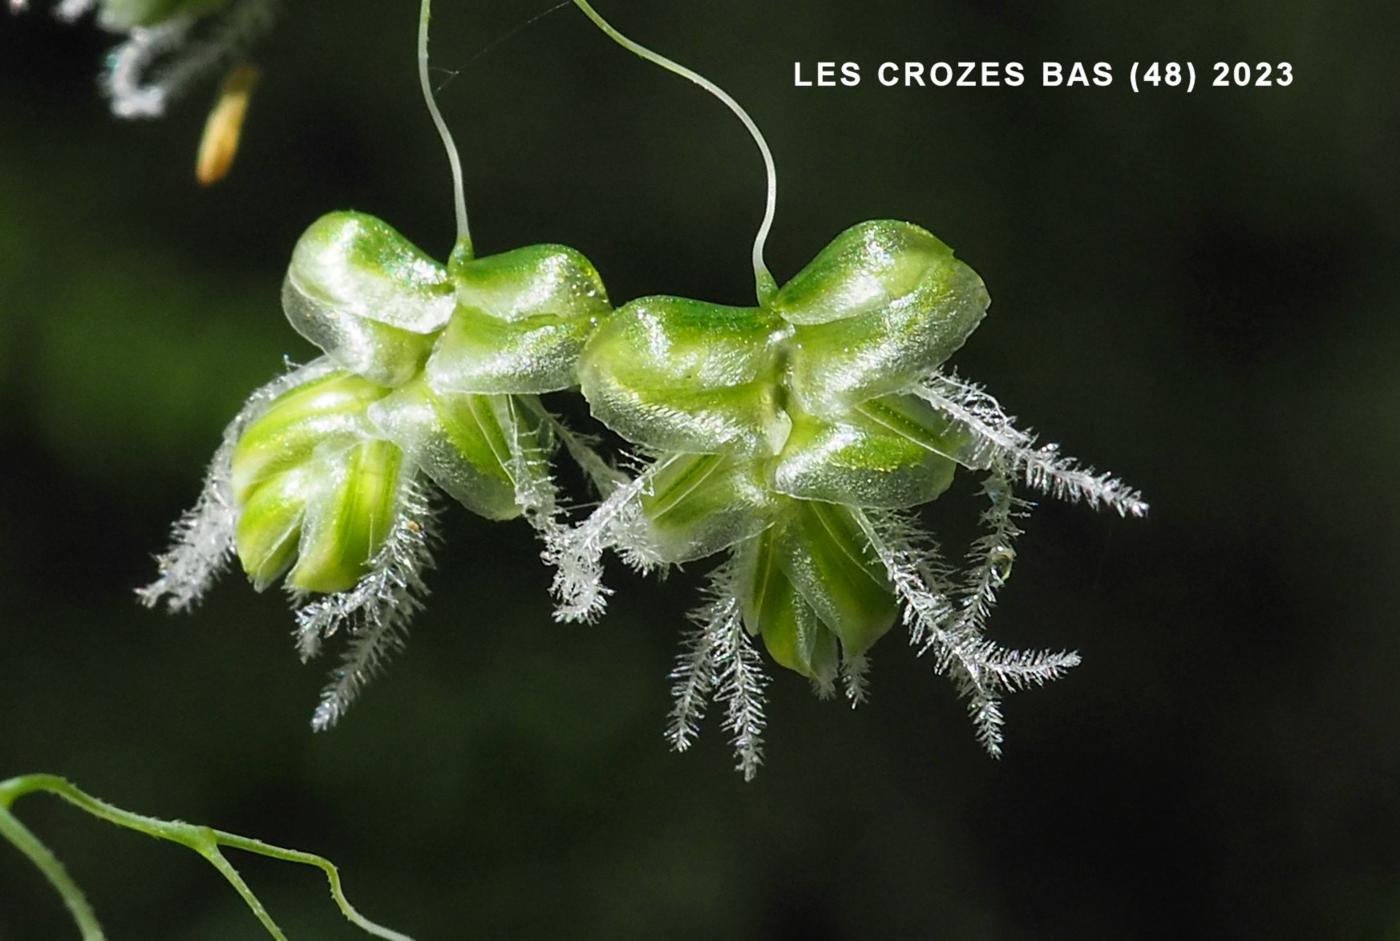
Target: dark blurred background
x: 1198, y: 291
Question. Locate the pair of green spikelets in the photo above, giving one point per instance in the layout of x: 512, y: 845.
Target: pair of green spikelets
x: 770, y: 419
x: 770, y: 431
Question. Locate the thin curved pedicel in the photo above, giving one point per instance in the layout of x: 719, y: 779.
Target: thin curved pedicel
x: 764, y: 285
x: 327, y: 478
x: 794, y: 437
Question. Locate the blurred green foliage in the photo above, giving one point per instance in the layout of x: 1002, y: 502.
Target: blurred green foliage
x: 1197, y: 291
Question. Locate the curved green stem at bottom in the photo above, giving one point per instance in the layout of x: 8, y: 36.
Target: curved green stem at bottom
x: 205, y: 841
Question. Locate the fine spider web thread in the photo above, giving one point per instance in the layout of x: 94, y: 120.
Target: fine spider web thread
x: 764, y: 284
x: 516, y: 31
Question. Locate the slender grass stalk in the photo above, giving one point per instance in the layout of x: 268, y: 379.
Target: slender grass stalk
x: 464, y: 238
x: 206, y: 841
